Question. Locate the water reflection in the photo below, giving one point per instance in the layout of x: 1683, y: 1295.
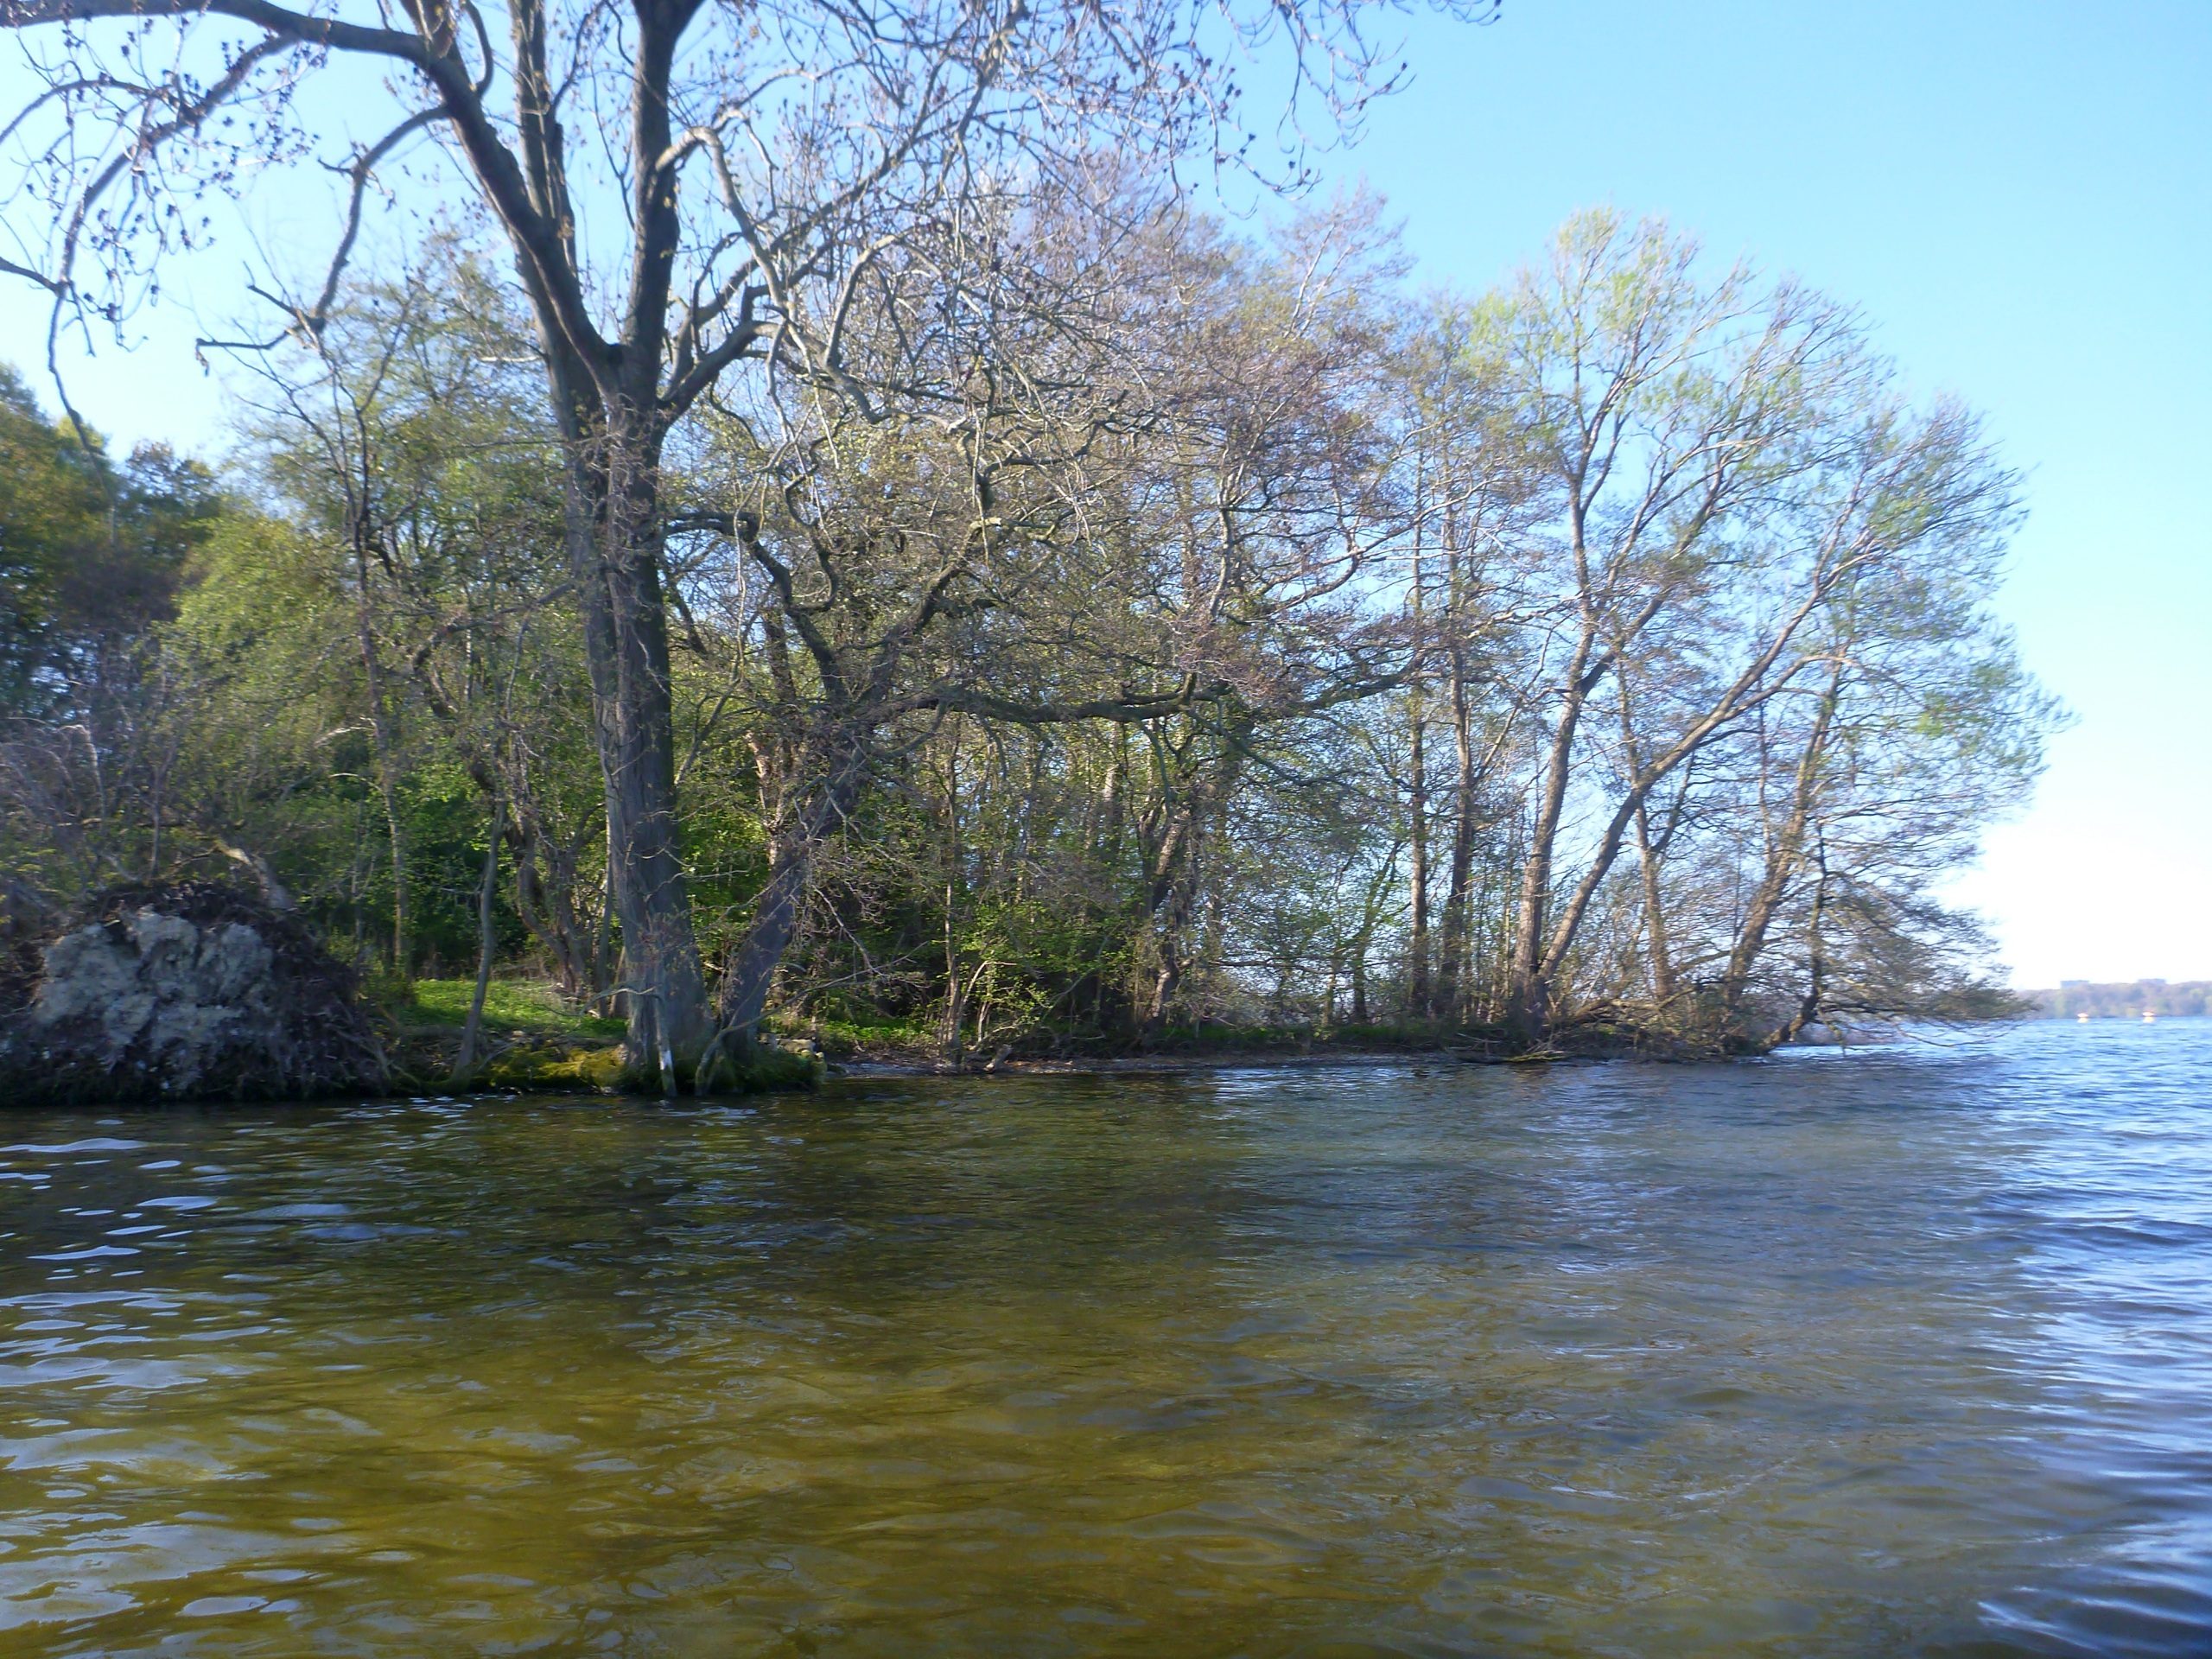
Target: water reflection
x: 1884, y: 1353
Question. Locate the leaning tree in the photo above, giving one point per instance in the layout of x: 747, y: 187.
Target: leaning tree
x: 693, y: 194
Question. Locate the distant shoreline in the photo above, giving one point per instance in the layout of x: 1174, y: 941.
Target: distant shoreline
x: 2180, y: 999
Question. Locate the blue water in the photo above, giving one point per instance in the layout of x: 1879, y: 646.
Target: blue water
x: 1904, y: 1350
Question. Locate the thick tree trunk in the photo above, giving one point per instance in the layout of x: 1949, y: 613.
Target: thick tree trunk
x: 751, y: 972
x: 1169, y: 909
x: 1785, y: 857
x: 1661, y: 957
x: 545, y: 899
x: 1166, y: 982
x: 1109, y: 998
x: 614, y: 546
x: 1655, y: 913
x: 1172, y: 880
x: 1528, y: 992
x: 1809, y: 1005
x: 1662, y: 962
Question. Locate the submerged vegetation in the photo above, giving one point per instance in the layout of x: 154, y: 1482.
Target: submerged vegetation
x: 953, y: 597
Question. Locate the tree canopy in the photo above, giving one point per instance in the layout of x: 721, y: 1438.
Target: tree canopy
x: 1611, y: 649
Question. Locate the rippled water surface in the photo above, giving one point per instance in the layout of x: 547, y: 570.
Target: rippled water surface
x: 1895, y: 1352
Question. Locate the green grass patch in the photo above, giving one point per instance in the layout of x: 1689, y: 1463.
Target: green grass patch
x: 843, y: 1039
x: 510, y: 1005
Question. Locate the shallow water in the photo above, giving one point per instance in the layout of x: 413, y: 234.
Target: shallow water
x: 1894, y: 1352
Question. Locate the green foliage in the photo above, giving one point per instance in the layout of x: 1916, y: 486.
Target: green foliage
x: 845, y: 1039
x: 91, y: 552
x: 527, y: 1006
x: 341, y: 675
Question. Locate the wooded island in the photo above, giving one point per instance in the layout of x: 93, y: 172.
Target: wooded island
x: 853, y: 546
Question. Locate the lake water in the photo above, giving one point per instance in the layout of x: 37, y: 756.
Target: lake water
x: 1905, y: 1352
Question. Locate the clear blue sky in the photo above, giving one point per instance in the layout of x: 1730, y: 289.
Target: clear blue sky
x: 2019, y: 195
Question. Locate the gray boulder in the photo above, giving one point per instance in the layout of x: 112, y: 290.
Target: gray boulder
x: 193, y: 991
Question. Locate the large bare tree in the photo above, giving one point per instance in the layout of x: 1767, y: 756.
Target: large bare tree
x: 690, y: 191
x: 1725, y: 464
x: 1165, y: 516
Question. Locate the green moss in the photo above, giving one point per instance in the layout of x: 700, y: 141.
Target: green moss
x: 563, y: 1068
x: 553, y: 1071
x: 767, y: 1071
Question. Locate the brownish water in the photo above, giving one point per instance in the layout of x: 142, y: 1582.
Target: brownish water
x: 1895, y: 1353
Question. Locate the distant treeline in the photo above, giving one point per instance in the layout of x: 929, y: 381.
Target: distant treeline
x: 2126, y: 1001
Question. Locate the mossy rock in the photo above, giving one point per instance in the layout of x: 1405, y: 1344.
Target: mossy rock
x: 555, y: 1069
x: 194, y: 991
x: 769, y: 1070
